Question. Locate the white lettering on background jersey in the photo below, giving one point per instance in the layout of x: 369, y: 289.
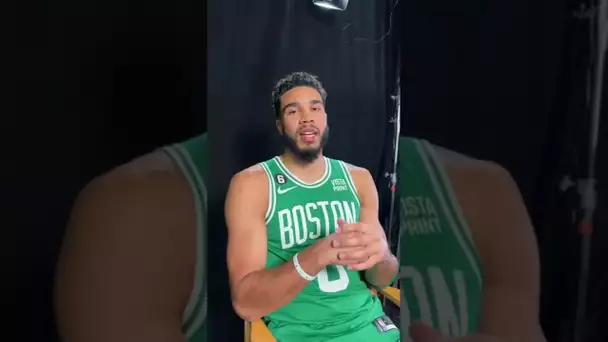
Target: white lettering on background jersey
x: 421, y: 216
x: 450, y: 322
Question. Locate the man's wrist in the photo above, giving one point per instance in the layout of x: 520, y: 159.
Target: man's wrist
x: 384, y: 272
x: 388, y: 260
x: 309, y: 261
x: 389, y: 257
x: 300, y: 270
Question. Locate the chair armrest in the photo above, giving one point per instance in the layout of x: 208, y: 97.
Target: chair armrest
x: 393, y: 294
x: 257, y: 332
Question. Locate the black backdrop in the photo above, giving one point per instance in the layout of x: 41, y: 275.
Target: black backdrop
x: 250, y: 46
x: 506, y: 81
x: 98, y: 83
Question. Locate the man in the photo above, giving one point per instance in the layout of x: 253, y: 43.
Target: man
x: 304, y: 239
x: 132, y: 266
x: 469, y: 265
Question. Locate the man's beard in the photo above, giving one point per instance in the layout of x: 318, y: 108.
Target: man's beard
x: 306, y: 155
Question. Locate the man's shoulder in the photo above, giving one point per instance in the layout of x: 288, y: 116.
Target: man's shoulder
x: 155, y: 166
x: 147, y: 197
x: 250, y: 188
x: 142, y: 182
x: 251, y: 173
x: 252, y: 178
x: 480, y: 186
x: 465, y: 165
x: 352, y: 168
x: 137, y: 214
x: 155, y: 162
x: 447, y: 157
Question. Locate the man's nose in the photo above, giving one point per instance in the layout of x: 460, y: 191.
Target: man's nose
x: 305, y: 117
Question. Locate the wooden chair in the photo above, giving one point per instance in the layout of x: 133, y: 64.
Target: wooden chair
x: 258, y: 332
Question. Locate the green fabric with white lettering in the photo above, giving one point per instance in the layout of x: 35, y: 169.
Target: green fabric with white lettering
x: 440, y: 275
x: 338, y: 301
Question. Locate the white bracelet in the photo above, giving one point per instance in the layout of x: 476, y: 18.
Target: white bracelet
x: 299, y: 269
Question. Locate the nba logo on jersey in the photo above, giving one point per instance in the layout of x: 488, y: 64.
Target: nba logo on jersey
x: 280, y: 179
x: 339, y: 184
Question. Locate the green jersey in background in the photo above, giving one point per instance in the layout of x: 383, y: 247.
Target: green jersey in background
x: 191, y: 157
x: 440, y: 273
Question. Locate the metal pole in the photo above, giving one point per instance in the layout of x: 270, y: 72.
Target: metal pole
x: 587, y: 186
x: 393, y: 180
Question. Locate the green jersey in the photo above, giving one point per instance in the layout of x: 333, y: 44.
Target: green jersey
x: 337, y: 301
x: 192, y: 159
x: 440, y: 276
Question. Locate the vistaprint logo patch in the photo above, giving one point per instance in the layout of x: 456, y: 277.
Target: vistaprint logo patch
x: 339, y: 184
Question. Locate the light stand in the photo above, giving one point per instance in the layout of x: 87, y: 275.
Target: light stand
x: 396, y: 121
x: 588, y: 201
x: 336, y: 5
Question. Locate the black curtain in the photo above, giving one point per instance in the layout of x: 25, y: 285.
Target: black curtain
x: 596, y: 300
x: 597, y: 296
x: 253, y: 44
x: 499, y: 81
x: 99, y: 83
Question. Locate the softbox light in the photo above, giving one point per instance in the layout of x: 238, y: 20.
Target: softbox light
x: 338, y: 5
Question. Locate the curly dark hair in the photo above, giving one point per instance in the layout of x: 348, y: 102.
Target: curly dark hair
x: 293, y: 80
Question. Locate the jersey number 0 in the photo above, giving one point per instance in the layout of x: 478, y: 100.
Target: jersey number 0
x: 336, y: 285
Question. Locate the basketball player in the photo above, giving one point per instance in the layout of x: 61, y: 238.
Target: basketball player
x: 132, y: 263
x: 301, y: 228
x: 469, y: 265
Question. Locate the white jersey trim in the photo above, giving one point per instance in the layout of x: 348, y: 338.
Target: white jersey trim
x: 181, y: 157
x: 271, y: 194
x: 444, y: 206
x: 326, y: 175
x: 349, y: 178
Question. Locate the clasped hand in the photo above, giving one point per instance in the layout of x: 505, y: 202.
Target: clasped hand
x: 359, y: 245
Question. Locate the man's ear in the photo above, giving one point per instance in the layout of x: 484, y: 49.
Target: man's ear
x: 279, y: 126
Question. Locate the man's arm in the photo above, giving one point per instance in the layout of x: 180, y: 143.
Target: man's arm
x: 256, y: 291
x: 510, y: 261
x: 505, y: 239
x: 125, y: 271
x: 382, y: 274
